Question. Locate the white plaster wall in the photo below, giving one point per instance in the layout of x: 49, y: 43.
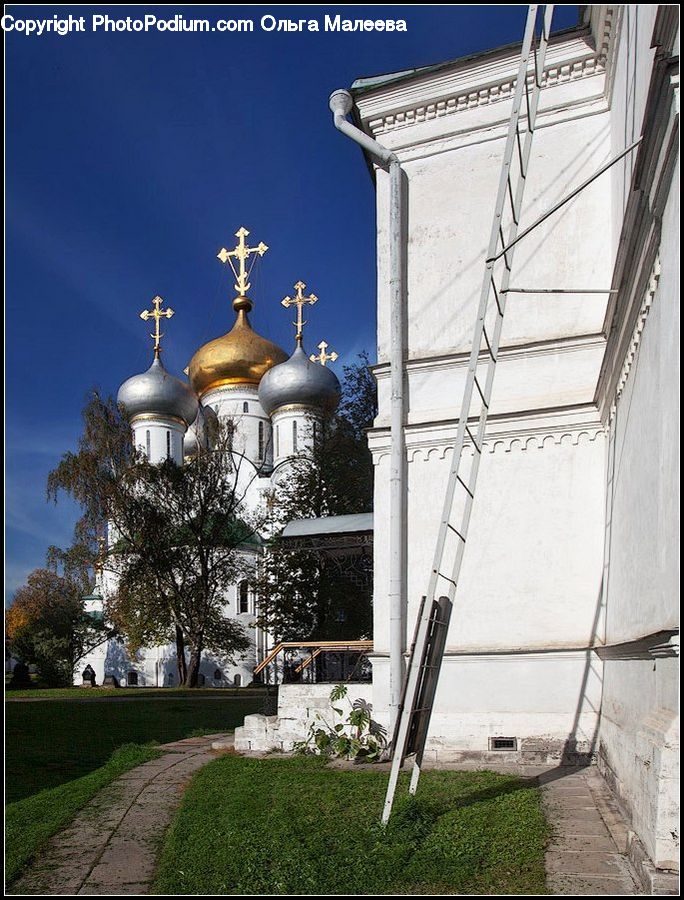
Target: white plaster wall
x: 640, y: 722
x: 284, y: 420
x: 545, y: 700
x: 529, y: 598
x: 159, y: 429
x: 450, y: 208
x: 531, y: 575
x: 228, y: 403
x: 633, y: 61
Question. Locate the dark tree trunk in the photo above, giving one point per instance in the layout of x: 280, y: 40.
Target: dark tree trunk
x: 180, y: 657
x: 192, y: 677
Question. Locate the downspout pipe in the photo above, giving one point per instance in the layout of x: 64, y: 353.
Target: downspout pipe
x: 341, y: 104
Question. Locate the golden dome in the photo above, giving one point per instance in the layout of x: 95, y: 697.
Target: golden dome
x: 239, y: 357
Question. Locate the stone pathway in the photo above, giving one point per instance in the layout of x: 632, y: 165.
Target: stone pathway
x: 587, y: 853
x: 112, y: 845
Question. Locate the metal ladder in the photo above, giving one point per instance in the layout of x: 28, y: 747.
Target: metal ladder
x: 454, y: 524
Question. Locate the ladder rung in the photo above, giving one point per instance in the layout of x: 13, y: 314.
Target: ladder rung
x: 458, y: 478
x: 479, y: 390
x: 512, y: 201
x: 503, y: 247
x: 446, y: 578
x: 475, y: 444
x: 455, y: 530
x: 489, y: 346
x: 496, y: 297
x: 523, y: 173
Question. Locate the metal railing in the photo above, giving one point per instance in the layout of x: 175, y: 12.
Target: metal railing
x: 316, y: 662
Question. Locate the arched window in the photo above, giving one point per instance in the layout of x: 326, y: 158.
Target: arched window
x: 168, y: 445
x: 169, y: 678
x: 132, y: 679
x: 277, y: 441
x: 294, y: 437
x: 148, y: 447
x: 237, y: 681
x: 261, y: 441
x: 218, y: 674
x: 243, y: 597
x: 314, y: 431
x: 245, y: 406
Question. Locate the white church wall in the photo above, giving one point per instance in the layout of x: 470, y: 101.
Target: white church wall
x: 529, y: 598
x: 451, y: 199
x: 159, y: 438
x: 633, y: 59
x: 293, y: 432
x: 640, y: 721
x: 253, y: 436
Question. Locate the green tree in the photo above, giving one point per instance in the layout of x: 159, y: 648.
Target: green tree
x: 47, y: 626
x: 177, y: 536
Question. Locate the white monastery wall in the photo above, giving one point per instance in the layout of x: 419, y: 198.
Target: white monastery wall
x: 528, y: 604
x: 639, y: 734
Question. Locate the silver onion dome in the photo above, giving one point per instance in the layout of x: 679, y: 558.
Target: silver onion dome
x: 155, y: 392
x: 300, y: 381
x: 202, y: 433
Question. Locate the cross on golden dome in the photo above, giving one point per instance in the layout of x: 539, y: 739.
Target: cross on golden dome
x: 299, y: 300
x: 241, y: 252
x: 323, y: 357
x: 157, y: 314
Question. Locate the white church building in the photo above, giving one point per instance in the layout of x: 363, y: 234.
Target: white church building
x: 563, y: 641
x: 273, y: 402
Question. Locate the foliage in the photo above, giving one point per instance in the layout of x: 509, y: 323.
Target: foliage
x: 30, y: 823
x: 358, y: 736
x: 176, y: 535
x: 47, y: 625
x: 50, y: 742
x: 304, y: 595
x: 296, y: 827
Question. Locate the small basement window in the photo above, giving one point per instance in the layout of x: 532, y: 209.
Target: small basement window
x: 503, y: 743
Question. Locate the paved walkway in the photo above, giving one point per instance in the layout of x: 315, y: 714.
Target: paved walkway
x: 112, y: 845
x: 587, y: 853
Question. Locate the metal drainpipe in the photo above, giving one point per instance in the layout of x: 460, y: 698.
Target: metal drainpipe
x: 340, y: 104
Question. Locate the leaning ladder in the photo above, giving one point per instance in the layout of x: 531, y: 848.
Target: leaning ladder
x: 453, y: 529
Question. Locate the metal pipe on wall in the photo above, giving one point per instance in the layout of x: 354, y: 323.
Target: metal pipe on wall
x: 341, y: 104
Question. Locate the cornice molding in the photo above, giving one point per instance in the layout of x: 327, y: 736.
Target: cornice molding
x: 450, y: 361
x: 489, y: 81
x: 635, y: 341
x: 433, y: 444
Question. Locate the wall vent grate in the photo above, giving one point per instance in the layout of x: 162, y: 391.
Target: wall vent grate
x: 503, y: 743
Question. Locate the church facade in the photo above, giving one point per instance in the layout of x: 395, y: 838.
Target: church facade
x: 273, y: 403
x: 564, y: 634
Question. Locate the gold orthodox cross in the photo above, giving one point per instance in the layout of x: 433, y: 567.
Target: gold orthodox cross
x: 323, y: 357
x: 299, y: 300
x: 241, y: 252
x: 157, y: 314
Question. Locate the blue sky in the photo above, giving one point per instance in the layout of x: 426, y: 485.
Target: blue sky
x: 131, y: 158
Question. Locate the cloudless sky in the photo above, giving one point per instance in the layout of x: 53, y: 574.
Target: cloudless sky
x: 131, y: 158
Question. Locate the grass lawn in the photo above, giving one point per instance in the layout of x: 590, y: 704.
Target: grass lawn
x: 30, y: 823
x: 49, y: 743
x: 79, y: 693
x: 293, y: 826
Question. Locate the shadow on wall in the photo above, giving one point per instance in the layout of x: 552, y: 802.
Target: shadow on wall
x: 118, y: 664
x: 215, y: 671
